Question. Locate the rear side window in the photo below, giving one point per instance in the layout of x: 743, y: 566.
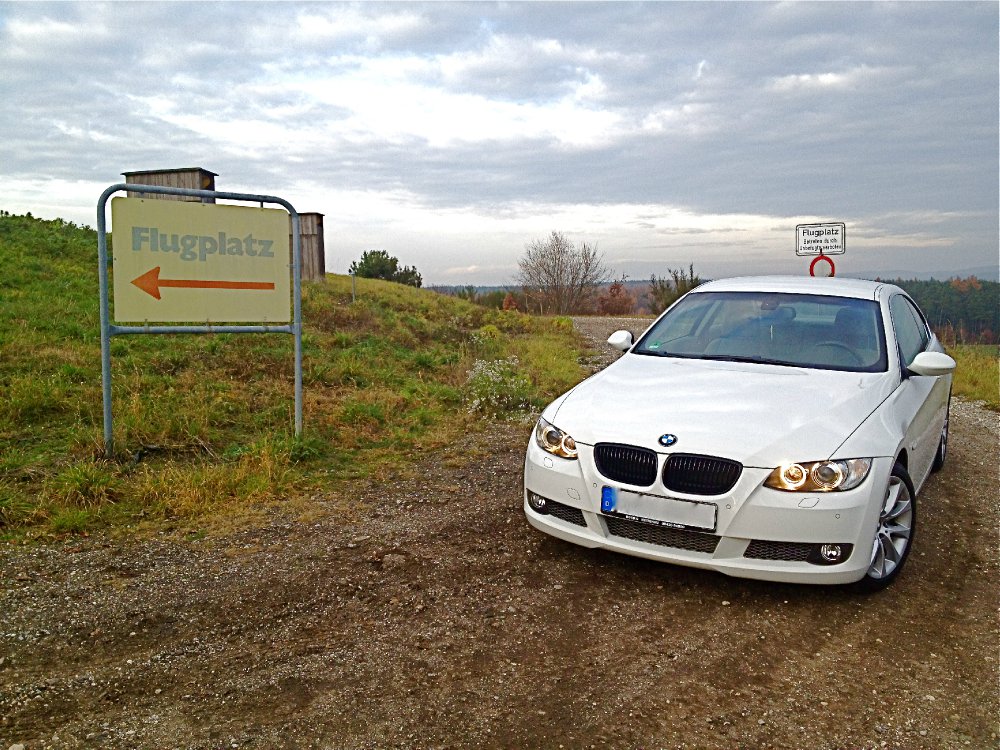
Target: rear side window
x: 911, y: 331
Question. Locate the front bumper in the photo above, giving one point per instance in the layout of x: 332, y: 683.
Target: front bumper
x: 759, y: 532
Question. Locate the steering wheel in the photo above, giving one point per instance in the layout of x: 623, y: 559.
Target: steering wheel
x: 841, y: 347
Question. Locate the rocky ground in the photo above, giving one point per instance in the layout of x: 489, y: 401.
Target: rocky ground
x: 432, y: 615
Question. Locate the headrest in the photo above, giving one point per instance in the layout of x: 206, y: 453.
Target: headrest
x: 850, y: 317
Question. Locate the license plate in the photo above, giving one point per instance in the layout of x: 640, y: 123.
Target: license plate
x: 659, y: 510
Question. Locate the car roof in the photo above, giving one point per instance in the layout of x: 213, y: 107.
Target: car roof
x: 833, y: 287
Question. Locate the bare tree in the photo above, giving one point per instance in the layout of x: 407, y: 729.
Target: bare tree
x: 559, y: 277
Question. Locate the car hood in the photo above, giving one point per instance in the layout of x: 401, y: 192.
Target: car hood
x: 756, y: 414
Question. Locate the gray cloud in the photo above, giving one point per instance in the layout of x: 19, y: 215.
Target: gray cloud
x: 882, y: 115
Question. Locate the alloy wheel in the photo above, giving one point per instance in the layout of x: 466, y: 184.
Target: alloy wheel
x: 895, y: 526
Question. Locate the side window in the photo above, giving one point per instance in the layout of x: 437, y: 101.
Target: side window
x: 911, y: 331
x: 925, y: 331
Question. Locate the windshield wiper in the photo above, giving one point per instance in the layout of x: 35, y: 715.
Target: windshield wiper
x: 744, y: 358
x: 675, y: 355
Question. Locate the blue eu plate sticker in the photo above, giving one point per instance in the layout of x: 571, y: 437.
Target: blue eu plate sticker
x: 609, y: 498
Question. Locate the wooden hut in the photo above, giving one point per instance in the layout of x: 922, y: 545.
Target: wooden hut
x: 192, y: 178
x: 196, y: 178
x: 313, y: 250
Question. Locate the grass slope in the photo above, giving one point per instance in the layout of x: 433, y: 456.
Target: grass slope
x: 203, y: 424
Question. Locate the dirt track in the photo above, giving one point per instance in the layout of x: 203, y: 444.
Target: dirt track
x: 437, y: 618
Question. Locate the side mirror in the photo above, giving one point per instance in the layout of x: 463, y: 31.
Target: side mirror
x: 621, y: 340
x: 932, y: 363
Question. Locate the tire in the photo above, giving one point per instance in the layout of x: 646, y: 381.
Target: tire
x: 897, y: 524
x: 942, y: 449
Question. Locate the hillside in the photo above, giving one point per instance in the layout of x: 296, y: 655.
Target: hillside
x: 203, y: 424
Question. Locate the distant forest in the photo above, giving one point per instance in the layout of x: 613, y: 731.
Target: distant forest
x: 961, y: 311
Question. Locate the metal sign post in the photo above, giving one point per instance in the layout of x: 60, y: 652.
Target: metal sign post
x: 822, y: 241
x: 206, y: 249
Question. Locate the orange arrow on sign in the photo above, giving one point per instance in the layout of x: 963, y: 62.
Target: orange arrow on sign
x: 150, y: 282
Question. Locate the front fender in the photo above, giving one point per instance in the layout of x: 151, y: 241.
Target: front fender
x: 880, y: 435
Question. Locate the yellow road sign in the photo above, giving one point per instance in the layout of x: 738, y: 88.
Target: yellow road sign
x: 175, y: 261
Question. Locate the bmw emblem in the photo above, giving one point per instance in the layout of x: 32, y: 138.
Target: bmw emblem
x: 667, y: 440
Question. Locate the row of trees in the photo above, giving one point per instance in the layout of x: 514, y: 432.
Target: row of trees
x: 962, y: 311
x: 556, y: 277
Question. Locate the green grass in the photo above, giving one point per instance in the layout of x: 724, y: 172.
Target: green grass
x: 203, y: 424
x: 977, y: 376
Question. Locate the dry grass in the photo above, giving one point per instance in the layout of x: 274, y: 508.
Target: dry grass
x: 203, y: 424
x: 977, y: 377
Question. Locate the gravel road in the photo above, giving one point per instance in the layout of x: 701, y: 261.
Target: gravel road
x: 431, y: 615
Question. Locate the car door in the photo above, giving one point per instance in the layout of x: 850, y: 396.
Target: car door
x: 922, y: 400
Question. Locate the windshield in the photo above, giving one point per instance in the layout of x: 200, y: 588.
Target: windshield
x: 798, y: 330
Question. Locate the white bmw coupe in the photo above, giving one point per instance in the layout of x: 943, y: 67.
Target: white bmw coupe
x: 774, y: 427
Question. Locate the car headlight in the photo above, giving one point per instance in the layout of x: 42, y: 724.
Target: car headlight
x: 550, y: 438
x: 820, y: 476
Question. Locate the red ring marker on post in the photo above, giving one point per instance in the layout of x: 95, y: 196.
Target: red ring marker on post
x: 817, y: 259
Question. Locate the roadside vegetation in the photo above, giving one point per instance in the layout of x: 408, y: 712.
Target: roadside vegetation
x: 977, y: 377
x: 203, y: 424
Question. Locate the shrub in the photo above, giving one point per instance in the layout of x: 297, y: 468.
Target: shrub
x: 495, y: 388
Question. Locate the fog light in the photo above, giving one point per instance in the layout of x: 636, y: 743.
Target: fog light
x: 537, y: 503
x: 832, y: 553
x: 829, y: 554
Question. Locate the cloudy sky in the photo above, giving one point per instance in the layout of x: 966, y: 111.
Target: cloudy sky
x: 452, y: 134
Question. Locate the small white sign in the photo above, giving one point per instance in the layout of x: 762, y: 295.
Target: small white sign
x: 820, y: 239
